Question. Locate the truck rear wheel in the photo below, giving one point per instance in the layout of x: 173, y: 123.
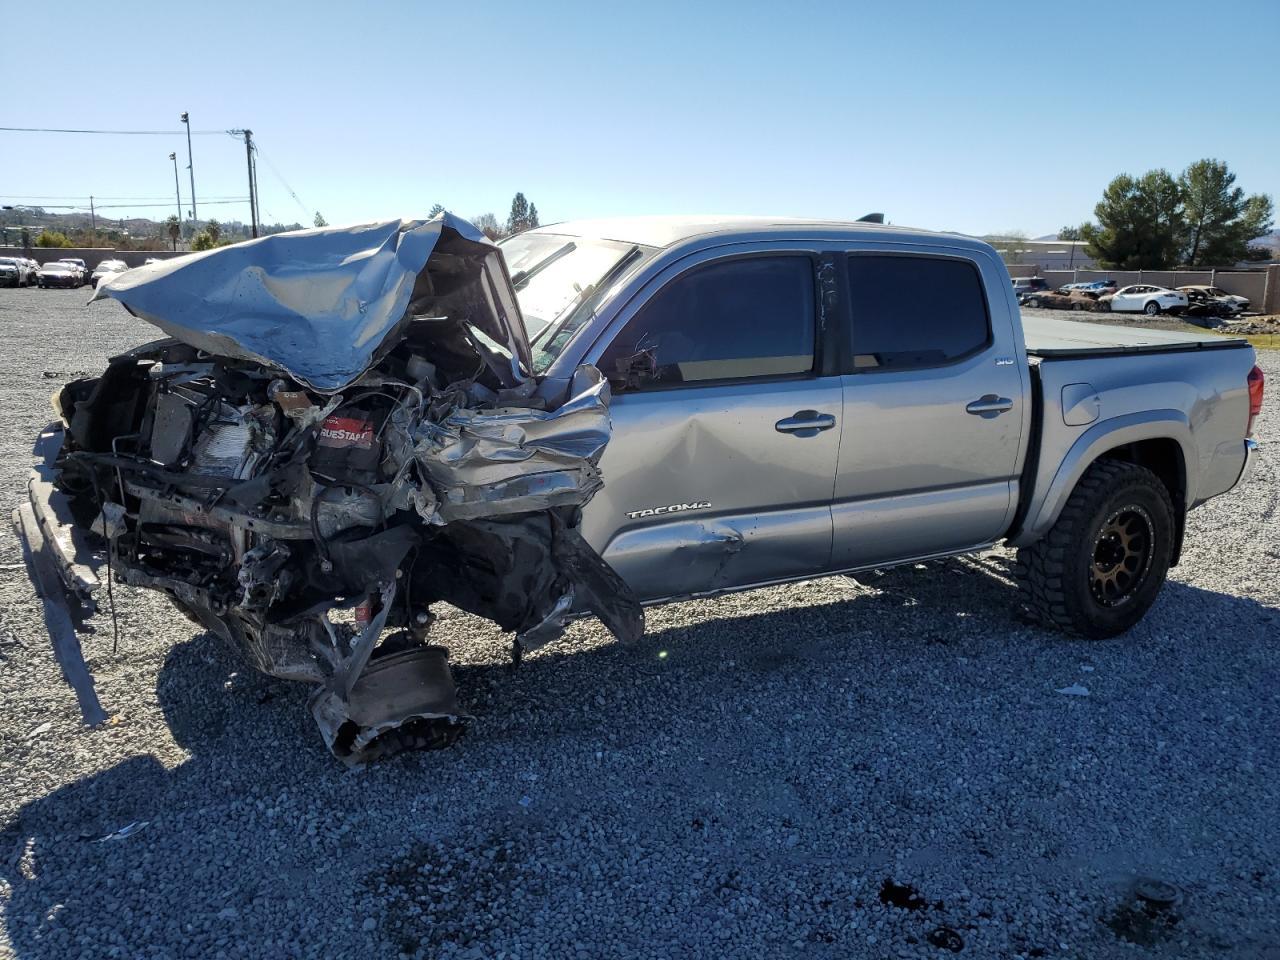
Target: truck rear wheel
x: 1100, y: 567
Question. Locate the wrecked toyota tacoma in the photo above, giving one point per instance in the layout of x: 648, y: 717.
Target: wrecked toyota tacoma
x: 348, y: 426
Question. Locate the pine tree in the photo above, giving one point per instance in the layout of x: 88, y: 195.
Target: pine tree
x: 1221, y: 220
x: 435, y: 211
x: 1141, y: 223
x: 533, y: 217
x: 320, y: 221
x: 518, y: 220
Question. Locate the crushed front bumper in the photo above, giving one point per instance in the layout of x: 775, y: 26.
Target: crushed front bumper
x: 63, y: 566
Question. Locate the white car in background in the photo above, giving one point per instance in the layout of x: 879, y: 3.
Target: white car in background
x: 16, y: 272
x: 108, y: 268
x: 1144, y: 298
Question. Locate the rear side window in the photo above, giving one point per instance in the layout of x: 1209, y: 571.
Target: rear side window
x: 911, y: 311
x: 733, y: 320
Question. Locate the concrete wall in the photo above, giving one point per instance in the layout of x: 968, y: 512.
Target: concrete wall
x: 92, y: 256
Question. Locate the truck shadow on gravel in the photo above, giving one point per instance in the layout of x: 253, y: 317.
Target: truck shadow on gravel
x: 261, y: 843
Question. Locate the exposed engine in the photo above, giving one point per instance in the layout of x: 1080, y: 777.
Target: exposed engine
x: 262, y: 506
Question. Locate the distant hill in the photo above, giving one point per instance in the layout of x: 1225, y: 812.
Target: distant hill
x: 123, y: 232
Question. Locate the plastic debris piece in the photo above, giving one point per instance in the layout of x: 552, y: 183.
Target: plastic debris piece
x: 43, y: 728
x: 946, y: 939
x: 1075, y: 690
x: 1159, y: 894
x: 128, y: 830
x: 526, y: 800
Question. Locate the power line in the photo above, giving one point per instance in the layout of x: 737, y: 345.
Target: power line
x: 127, y: 206
x: 77, y: 196
x: 135, y: 133
x: 272, y: 167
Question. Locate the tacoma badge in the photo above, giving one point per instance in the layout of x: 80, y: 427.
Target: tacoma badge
x: 672, y: 508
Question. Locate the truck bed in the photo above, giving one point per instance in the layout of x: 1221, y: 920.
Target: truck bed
x: 1049, y: 337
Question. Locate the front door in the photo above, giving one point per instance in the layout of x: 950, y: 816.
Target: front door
x: 933, y: 408
x: 726, y: 431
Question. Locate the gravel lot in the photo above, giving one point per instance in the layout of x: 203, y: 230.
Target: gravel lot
x: 741, y: 784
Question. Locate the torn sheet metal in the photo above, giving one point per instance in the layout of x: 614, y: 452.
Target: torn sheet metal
x: 311, y: 512
x: 514, y: 460
x: 324, y: 305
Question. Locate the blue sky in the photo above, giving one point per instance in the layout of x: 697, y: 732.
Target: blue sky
x: 972, y: 116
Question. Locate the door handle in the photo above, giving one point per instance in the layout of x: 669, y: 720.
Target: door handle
x: 805, y: 423
x: 989, y: 406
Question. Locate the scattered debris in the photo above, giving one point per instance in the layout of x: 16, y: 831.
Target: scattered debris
x: 947, y: 939
x: 43, y: 728
x: 1148, y: 916
x: 1075, y: 690
x: 127, y: 830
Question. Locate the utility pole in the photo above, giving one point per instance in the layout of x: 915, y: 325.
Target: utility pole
x: 177, y: 193
x: 253, y: 186
x: 93, y: 221
x: 190, y: 166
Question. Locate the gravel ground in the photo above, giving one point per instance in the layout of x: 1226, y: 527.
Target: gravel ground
x: 818, y: 770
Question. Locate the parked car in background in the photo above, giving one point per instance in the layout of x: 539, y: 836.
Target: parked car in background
x: 1023, y: 285
x: 108, y: 268
x: 1144, y: 298
x: 1235, y: 302
x: 1096, y: 287
x: 80, y: 265
x: 59, y: 274
x: 15, y: 272
x: 1061, y: 299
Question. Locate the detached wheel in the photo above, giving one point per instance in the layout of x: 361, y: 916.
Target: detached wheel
x: 1151, y: 309
x: 1100, y: 567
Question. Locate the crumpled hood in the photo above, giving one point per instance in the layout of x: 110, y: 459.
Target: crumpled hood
x: 324, y: 305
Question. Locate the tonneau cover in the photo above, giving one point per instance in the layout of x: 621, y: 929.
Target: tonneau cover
x: 1050, y: 337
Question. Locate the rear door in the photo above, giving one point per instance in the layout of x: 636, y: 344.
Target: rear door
x: 933, y: 406
x: 726, y: 427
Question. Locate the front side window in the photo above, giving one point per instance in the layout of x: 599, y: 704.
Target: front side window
x: 733, y: 320
x: 915, y: 311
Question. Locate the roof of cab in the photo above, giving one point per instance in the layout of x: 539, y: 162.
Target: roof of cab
x: 666, y: 231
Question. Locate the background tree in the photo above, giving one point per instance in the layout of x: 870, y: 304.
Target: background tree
x: 174, y: 228
x: 320, y: 221
x: 533, y: 216
x: 518, y: 221
x: 488, y: 224
x: 202, y: 241
x: 52, y: 238
x: 214, y: 229
x: 1009, y: 244
x: 1221, y: 220
x: 1140, y: 223
x: 435, y: 211
x: 1068, y: 233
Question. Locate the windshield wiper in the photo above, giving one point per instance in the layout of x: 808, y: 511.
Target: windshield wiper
x: 522, y: 277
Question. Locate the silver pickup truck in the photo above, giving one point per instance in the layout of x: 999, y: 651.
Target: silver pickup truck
x: 794, y: 398
x: 348, y: 425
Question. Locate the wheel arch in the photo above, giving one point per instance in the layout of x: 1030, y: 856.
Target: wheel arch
x: 1159, y: 440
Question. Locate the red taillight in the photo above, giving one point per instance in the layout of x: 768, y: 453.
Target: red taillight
x: 1256, y: 384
